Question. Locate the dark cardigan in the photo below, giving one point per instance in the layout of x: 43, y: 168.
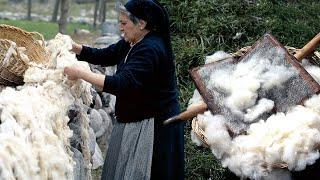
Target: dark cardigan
x: 145, y: 85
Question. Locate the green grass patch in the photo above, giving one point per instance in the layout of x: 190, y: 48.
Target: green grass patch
x: 47, y: 29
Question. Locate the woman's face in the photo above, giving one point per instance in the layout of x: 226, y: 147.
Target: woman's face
x: 129, y: 31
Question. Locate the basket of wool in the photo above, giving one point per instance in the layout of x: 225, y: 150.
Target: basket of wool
x: 18, y: 49
x: 270, y: 135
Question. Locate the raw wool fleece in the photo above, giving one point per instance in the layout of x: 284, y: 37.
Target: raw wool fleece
x: 285, y: 137
x: 34, y: 135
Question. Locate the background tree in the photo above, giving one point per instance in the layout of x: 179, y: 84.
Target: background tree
x: 55, y: 11
x: 64, y: 8
x: 95, y: 15
x: 29, y: 10
x: 102, y: 11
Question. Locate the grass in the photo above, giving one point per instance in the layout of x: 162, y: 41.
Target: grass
x: 47, y: 29
x: 46, y: 9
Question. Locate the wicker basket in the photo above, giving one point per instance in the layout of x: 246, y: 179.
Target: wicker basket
x: 12, y: 66
x: 30, y: 40
x: 199, y: 132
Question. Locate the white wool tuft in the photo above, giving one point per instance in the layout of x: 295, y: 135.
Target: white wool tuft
x: 204, y: 119
x: 196, y: 99
x: 314, y: 71
x: 11, y: 50
x: 195, y: 139
x: 264, y: 105
x: 218, y: 136
x: 276, y: 76
x: 219, y: 55
x: 222, y: 80
x: 241, y: 99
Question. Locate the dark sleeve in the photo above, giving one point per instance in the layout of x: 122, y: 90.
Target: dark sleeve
x: 139, y: 67
x: 105, y: 56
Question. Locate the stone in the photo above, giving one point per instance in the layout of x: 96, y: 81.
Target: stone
x: 78, y: 168
x: 97, y: 158
x: 95, y: 120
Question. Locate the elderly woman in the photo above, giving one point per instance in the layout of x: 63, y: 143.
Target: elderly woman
x: 140, y: 146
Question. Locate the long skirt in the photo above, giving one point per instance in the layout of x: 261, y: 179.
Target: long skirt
x: 145, y: 150
x: 129, y: 154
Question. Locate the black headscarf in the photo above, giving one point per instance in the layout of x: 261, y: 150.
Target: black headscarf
x: 156, y: 17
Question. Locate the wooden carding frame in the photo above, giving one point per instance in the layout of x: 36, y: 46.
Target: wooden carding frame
x: 262, y: 45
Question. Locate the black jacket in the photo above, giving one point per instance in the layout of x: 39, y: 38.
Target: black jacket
x: 144, y: 84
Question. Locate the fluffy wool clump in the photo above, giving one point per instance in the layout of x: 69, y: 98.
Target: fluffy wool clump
x: 242, y: 83
x: 288, y: 138
x: 218, y: 136
x: 34, y: 135
x: 217, y: 56
x: 264, y: 105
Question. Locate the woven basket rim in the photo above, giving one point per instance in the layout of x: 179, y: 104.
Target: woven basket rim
x: 30, y: 40
x: 11, y: 72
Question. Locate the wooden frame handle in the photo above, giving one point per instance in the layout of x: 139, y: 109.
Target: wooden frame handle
x: 308, y: 48
x: 190, y: 113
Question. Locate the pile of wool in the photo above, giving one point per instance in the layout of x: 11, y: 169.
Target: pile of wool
x: 286, y: 138
x: 34, y: 135
x: 242, y: 82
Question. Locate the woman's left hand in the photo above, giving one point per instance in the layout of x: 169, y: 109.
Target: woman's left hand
x: 73, y: 72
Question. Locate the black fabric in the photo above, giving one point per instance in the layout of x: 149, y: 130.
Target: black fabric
x: 145, y: 85
x: 311, y: 172
x: 149, y: 11
x: 168, y: 150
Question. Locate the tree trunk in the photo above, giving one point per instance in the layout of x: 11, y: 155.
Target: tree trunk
x: 64, y: 8
x: 96, y: 7
x: 29, y: 10
x: 55, y: 11
x: 102, y: 10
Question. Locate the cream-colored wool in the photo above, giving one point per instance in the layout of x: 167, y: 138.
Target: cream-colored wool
x: 196, y: 99
x: 314, y: 71
x: 195, y: 139
x: 34, y: 135
x: 11, y: 50
x: 218, y: 136
x: 264, y: 105
x: 217, y: 56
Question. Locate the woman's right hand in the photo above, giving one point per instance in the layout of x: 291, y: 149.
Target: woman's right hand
x: 76, y: 48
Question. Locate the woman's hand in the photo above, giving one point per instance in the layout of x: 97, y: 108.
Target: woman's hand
x: 76, y: 48
x: 73, y: 73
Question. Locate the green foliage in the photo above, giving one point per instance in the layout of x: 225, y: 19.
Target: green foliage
x: 201, y: 27
x: 47, y: 29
